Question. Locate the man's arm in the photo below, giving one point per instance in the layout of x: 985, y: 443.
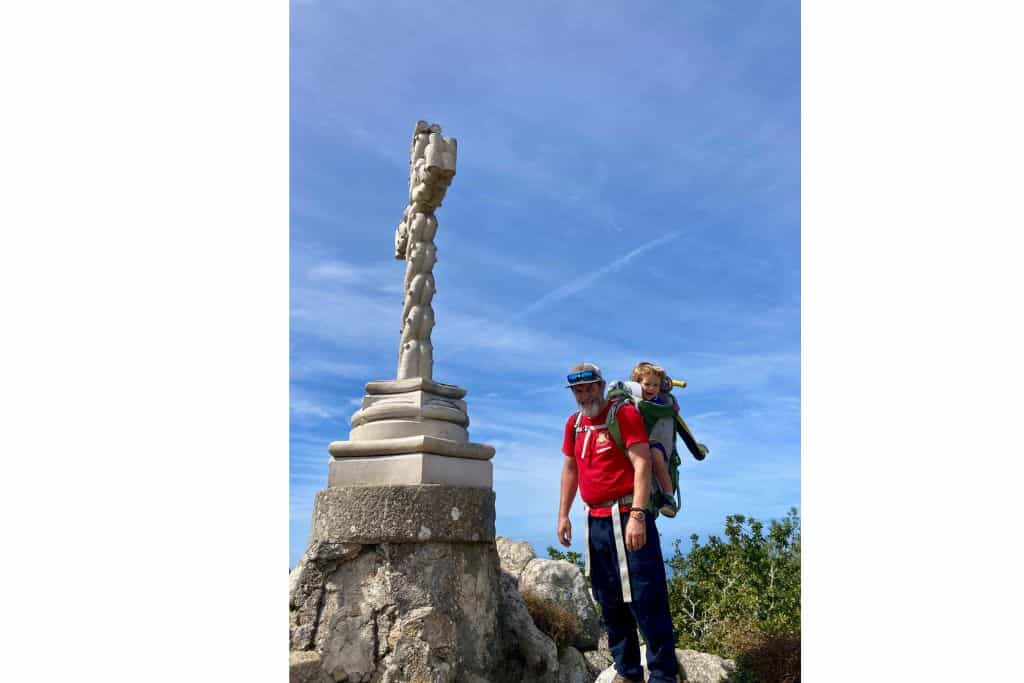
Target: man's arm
x: 636, y: 530
x: 570, y: 480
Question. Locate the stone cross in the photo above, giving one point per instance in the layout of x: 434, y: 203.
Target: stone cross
x: 431, y: 169
x: 412, y: 430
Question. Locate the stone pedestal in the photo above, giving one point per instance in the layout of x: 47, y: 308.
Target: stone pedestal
x: 411, y: 432
x: 398, y: 583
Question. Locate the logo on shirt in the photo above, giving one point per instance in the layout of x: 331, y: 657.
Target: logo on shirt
x: 602, y: 438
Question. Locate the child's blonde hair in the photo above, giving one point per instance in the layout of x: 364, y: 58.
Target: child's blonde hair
x: 644, y: 368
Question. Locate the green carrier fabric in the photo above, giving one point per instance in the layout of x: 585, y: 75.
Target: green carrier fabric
x: 651, y: 413
x: 618, y: 394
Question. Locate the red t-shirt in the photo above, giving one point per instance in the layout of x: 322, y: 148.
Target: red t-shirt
x: 605, y: 473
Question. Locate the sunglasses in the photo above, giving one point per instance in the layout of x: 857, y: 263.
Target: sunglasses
x: 585, y: 376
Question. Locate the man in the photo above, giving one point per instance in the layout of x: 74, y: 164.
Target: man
x: 624, y: 562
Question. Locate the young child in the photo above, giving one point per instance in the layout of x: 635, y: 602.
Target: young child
x: 653, y: 384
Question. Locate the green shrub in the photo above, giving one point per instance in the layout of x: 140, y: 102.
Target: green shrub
x: 739, y: 597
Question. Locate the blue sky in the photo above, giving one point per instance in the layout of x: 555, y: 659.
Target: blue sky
x: 628, y: 189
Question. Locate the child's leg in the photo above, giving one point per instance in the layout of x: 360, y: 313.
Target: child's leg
x: 662, y: 437
x: 661, y: 471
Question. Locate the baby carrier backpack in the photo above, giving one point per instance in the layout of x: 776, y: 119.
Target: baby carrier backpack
x: 620, y: 393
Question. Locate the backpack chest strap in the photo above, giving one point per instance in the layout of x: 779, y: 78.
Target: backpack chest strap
x: 586, y: 440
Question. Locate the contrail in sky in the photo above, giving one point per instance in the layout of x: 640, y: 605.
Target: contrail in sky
x: 575, y: 286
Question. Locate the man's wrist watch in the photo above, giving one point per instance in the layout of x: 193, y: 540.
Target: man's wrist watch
x: 637, y: 513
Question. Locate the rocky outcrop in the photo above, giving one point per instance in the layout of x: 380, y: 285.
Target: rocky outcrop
x: 694, y: 667
x: 572, y: 667
x: 306, y: 588
x: 556, y: 581
x: 304, y: 667
x: 701, y: 667
x: 366, y: 622
x: 410, y: 607
x: 600, y: 659
x: 514, y: 555
x: 528, y: 654
x: 562, y: 583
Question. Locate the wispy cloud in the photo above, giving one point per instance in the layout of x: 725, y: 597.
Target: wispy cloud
x: 346, y: 316
x: 375, y: 276
x: 306, y: 408
x: 578, y: 285
x: 307, y: 367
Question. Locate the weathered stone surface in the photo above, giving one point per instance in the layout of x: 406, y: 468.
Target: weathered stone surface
x: 306, y: 586
x: 701, y: 667
x: 304, y: 667
x: 527, y: 654
x: 572, y: 667
x: 399, y: 613
x: 694, y: 667
x: 346, y: 636
x: 597, y: 661
x: 514, y: 555
x: 562, y: 583
x: 403, y: 514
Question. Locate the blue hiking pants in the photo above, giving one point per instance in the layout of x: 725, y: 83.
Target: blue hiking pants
x: 649, y: 608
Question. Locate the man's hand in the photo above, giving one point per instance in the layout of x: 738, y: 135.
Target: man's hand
x: 570, y: 478
x: 564, y: 531
x: 636, y: 534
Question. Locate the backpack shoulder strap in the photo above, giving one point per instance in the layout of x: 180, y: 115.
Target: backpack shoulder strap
x: 576, y: 429
x: 613, y: 424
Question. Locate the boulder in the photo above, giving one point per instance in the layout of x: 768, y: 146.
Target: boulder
x: 514, y: 555
x: 396, y: 612
x: 694, y: 667
x: 701, y: 667
x: 572, y: 667
x: 562, y: 583
x: 304, y: 667
x: 527, y: 654
x: 597, y: 661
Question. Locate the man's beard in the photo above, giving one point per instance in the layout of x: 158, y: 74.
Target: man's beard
x: 591, y: 408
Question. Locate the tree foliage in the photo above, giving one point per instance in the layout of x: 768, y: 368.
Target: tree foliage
x: 569, y: 556
x: 739, y: 596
